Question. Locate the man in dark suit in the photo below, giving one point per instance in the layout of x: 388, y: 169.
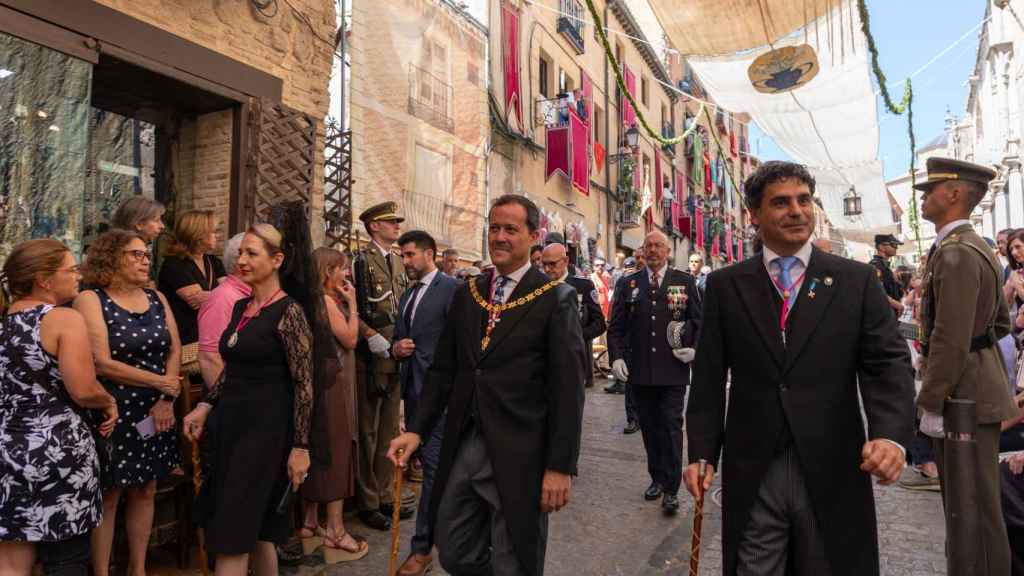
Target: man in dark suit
x: 508, y: 370
x: 423, y: 313
x: 555, y: 261
x: 796, y: 466
x: 645, y: 304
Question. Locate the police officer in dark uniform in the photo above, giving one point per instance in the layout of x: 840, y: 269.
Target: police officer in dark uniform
x: 555, y: 260
x: 646, y: 304
x: 886, y: 246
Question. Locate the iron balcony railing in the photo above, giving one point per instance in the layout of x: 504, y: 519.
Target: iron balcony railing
x: 428, y: 213
x: 430, y: 98
x: 570, y: 23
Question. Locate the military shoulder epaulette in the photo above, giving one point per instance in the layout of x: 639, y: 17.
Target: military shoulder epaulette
x: 953, y: 238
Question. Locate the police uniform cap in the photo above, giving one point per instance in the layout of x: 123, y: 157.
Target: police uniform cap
x: 887, y: 239
x: 945, y: 169
x: 384, y: 211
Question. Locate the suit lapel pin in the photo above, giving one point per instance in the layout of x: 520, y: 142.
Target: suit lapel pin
x: 810, y: 290
x: 829, y: 281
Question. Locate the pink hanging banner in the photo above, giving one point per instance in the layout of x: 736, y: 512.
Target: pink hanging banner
x: 510, y: 55
x: 714, y: 246
x: 628, y: 114
x: 699, y: 220
x: 728, y: 244
x: 558, y: 153
x: 580, y: 155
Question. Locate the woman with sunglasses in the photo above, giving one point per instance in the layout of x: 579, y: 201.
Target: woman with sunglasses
x: 137, y: 353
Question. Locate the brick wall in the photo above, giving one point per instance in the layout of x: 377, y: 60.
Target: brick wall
x: 283, y: 45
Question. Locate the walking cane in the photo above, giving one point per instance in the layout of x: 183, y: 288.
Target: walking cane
x: 197, y: 481
x: 396, y: 511
x: 698, y: 520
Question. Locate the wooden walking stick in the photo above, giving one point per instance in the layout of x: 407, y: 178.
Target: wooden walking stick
x: 698, y: 520
x: 396, y: 512
x: 197, y: 482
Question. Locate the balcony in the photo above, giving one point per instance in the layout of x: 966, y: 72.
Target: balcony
x: 428, y: 213
x: 570, y: 23
x: 430, y: 99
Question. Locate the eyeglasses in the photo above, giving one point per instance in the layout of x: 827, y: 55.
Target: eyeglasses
x: 140, y: 255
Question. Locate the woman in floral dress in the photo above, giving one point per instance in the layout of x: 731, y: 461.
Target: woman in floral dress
x: 49, y: 471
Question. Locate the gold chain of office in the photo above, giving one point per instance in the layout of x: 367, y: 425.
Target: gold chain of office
x: 491, y: 308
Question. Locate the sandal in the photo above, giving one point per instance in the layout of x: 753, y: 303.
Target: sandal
x: 312, y: 537
x: 335, y: 549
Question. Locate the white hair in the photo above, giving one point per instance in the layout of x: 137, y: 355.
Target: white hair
x: 231, y: 248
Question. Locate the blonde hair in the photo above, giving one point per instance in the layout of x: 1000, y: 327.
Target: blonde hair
x: 327, y: 260
x: 190, y: 230
x: 27, y: 261
x: 270, y: 236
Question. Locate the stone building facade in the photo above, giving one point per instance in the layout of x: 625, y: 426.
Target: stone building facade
x: 418, y: 109
x: 173, y: 96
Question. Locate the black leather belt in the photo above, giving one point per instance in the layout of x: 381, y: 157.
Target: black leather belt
x: 986, y: 340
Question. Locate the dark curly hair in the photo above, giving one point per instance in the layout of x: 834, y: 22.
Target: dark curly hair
x: 105, y: 255
x: 1014, y: 235
x: 771, y: 173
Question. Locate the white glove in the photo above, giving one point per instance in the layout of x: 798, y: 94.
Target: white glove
x: 379, y: 345
x: 685, y: 355
x: 620, y: 371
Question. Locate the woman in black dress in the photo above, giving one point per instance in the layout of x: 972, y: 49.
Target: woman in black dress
x: 135, y: 346
x: 263, y: 410
x: 190, y: 272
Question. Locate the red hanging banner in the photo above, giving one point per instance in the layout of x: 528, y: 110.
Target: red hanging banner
x: 599, y: 157
x: 658, y: 190
x: 558, y: 153
x: 510, y: 56
x: 580, y: 135
x: 728, y: 244
x: 628, y: 114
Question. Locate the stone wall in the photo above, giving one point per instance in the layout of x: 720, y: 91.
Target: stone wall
x: 294, y: 45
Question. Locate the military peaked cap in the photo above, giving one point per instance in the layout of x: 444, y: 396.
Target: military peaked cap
x: 945, y: 169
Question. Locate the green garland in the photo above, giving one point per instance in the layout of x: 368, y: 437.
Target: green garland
x: 906, y: 105
x: 617, y: 68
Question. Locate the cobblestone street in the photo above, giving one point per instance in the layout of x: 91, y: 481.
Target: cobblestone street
x: 609, y: 529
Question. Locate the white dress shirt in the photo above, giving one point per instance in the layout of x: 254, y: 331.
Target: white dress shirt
x: 661, y: 275
x: 512, y: 280
x: 803, y: 257
x: 425, y: 281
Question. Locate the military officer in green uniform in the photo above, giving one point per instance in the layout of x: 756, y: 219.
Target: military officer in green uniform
x: 964, y: 315
x: 885, y: 248
x: 380, y: 282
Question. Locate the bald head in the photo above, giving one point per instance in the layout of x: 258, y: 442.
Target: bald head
x: 555, y: 260
x: 656, y: 249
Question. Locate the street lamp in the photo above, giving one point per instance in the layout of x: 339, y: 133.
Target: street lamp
x: 632, y: 142
x: 851, y: 203
x: 716, y: 203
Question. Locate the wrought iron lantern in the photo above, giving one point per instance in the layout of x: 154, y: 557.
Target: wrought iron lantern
x: 632, y: 137
x: 851, y: 203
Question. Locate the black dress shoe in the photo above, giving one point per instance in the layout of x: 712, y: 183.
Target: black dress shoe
x: 404, y: 512
x: 653, y: 492
x: 374, y: 519
x: 615, y: 388
x: 288, y: 555
x: 632, y: 427
x: 669, y: 504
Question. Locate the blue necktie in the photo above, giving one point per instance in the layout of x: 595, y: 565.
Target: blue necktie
x: 786, y: 264
x: 499, y: 290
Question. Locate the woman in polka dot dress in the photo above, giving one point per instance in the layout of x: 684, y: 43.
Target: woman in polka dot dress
x: 137, y: 352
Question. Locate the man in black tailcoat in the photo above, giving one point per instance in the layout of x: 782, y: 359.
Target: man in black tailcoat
x: 638, y: 346
x: 508, y: 368
x: 802, y: 335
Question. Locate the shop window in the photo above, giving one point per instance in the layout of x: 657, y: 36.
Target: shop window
x: 85, y: 137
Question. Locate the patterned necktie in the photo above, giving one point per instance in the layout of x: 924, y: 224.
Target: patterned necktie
x: 785, y: 283
x: 654, y: 279
x: 499, y: 290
